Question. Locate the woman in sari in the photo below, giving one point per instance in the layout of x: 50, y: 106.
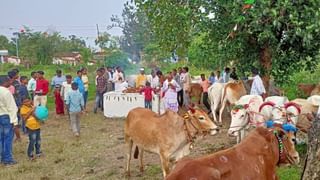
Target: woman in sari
x: 170, y: 90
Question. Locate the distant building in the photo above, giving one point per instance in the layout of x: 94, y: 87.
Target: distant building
x: 3, y: 55
x: 73, y: 58
x: 5, y: 58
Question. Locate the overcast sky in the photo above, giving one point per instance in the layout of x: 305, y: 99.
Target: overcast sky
x: 78, y: 17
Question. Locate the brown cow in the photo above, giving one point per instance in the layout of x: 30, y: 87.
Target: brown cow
x: 231, y: 93
x: 306, y: 88
x: 169, y: 135
x: 196, y: 91
x: 254, y: 158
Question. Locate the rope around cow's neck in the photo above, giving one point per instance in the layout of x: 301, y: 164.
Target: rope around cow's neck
x: 199, y: 130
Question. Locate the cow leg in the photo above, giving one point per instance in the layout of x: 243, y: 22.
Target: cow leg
x: 141, y: 160
x: 221, y: 110
x: 129, y: 152
x: 164, y: 163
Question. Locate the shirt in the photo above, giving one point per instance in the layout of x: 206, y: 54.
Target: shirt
x: 8, y: 105
x: 186, y: 82
x: 31, y: 122
x: 225, y: 77
x: 23, y: 91
x: 141, y: 80
x: 205, y: 85
x: 85, y: 81
x: 31, y: 84
x: 147, y: 93
x: 58, y: 80
x: 75, y: 101
x: 42, y: 86
x: 257, y: 87
x: 80, y: 84
x: 65, y: 89
x: 212, y: 79
x: 154, y: 82
x: 101, y: 84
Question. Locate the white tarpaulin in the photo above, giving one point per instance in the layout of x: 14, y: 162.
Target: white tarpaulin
x: 117, y: 104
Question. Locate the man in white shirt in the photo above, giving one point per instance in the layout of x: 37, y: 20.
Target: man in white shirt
x: 8, y: 121
x: 257, y: 87
x: 118, y: 79
x: 32, y: 84
x: 154, y: 80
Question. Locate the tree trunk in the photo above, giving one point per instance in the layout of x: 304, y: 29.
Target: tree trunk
x: 266, y: 63
x: 312, y: 163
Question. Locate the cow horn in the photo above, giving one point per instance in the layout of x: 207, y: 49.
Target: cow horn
x: 266, y: 104
x: 288, y: 104
x: 191, y: 108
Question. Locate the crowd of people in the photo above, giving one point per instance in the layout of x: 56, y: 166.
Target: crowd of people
x: 174, y: 87
x: 20, y: 95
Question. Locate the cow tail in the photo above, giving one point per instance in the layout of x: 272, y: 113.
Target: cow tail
x: 136, y: 153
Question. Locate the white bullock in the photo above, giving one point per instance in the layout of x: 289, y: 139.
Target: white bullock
x: 245, y: 113
x: 215, y: 94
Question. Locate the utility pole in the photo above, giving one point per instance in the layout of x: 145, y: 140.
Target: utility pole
x: 17, y: 43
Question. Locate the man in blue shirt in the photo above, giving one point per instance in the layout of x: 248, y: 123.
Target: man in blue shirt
x: 79, y: 81
x: 58, y: 79
x: 75, y: 105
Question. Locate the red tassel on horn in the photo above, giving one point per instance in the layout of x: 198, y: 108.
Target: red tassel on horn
x: 266, y: 104
x: 288, y: 104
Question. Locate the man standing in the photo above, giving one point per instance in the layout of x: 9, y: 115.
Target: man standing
x: 118, y: 79
x: 8, y: 121
x: 85, y: 81
x: 32, y: 84
x: 109, y: 79
x: 154, y: 80
x: 205, y: 85
x: 186, y: 81
x: 257, y: 87
x: 100, y: 89
x: 141, y: 79
x: 226, y: 75
x: 176, y: 77
x: 42, y: 89
x: 79, y: 81
x: 58, y: 79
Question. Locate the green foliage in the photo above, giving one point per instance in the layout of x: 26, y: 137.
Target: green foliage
x: 289, y: 173
x: 281, y: 37
x: 40, y: 48
x: 117, y: 58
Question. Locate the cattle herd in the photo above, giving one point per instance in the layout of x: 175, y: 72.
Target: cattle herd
x: 260, y: 147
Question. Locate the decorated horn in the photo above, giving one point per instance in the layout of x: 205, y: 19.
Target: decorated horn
x: 191, y: 108
x: 266, y: 104
x: 289, y: 104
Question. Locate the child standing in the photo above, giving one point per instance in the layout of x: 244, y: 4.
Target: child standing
x: 23, y: 94
x: 33, y: 128
x: 75, y: 105
x: 147, y: 90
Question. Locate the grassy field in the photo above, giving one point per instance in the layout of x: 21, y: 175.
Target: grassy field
x: 100, y: 151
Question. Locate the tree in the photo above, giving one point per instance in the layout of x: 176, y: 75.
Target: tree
x: 312, y: 163
x: 103, y: 40
x: 281, y: 37
x: 135, y: 29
